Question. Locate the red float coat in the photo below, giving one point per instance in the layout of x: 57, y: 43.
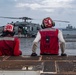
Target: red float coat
x: 49, y: 41
x: 9, y: 46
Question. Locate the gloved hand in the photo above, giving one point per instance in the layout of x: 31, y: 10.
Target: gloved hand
x: 63, y: 54
x: 33, y: 54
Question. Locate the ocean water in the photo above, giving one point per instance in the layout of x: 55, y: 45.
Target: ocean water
x: 26, y: 47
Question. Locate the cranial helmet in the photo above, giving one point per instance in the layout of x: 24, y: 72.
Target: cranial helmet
x: 9, y: 28
x: 47, y: 23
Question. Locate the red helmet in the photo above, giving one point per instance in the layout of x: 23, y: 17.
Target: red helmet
x: 9, y: 28
x: 47, y: 23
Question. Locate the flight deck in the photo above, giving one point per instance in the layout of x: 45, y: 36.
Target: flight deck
x: 44, y: 65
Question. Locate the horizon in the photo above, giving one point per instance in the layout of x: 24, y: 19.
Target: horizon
x: 64, y: 10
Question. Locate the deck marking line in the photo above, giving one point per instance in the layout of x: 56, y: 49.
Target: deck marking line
x: 5, y: 58
x: 40, y: 58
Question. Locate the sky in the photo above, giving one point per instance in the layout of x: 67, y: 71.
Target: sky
x: 64, y: 10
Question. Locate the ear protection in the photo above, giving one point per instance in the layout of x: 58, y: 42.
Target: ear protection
x: 47, y: 23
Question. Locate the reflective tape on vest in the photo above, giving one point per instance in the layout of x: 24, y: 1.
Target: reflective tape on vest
x: 7, y: 38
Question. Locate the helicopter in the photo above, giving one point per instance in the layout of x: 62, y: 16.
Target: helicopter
x: 25, y: 28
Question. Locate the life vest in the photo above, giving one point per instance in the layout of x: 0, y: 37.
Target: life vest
x: 9, y: 46
x: 49, y: 41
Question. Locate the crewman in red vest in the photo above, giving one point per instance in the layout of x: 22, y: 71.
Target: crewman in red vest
x: 49, y: 38
x: 9, y: 45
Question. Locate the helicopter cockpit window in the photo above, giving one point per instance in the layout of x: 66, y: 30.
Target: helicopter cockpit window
x: 32, y: 29
x: 26, y: 28
x: 20, y: 29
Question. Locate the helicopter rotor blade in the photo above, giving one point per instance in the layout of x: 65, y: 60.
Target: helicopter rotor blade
x: 61, y: 21
x: 56, y: 20
x: 9, y: 17
x: 27, y: 18
x: 24, y: 18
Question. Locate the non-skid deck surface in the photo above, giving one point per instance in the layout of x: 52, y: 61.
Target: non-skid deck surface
x: 23, y: 58
x: 55, y: 57
x: 47, y: 64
